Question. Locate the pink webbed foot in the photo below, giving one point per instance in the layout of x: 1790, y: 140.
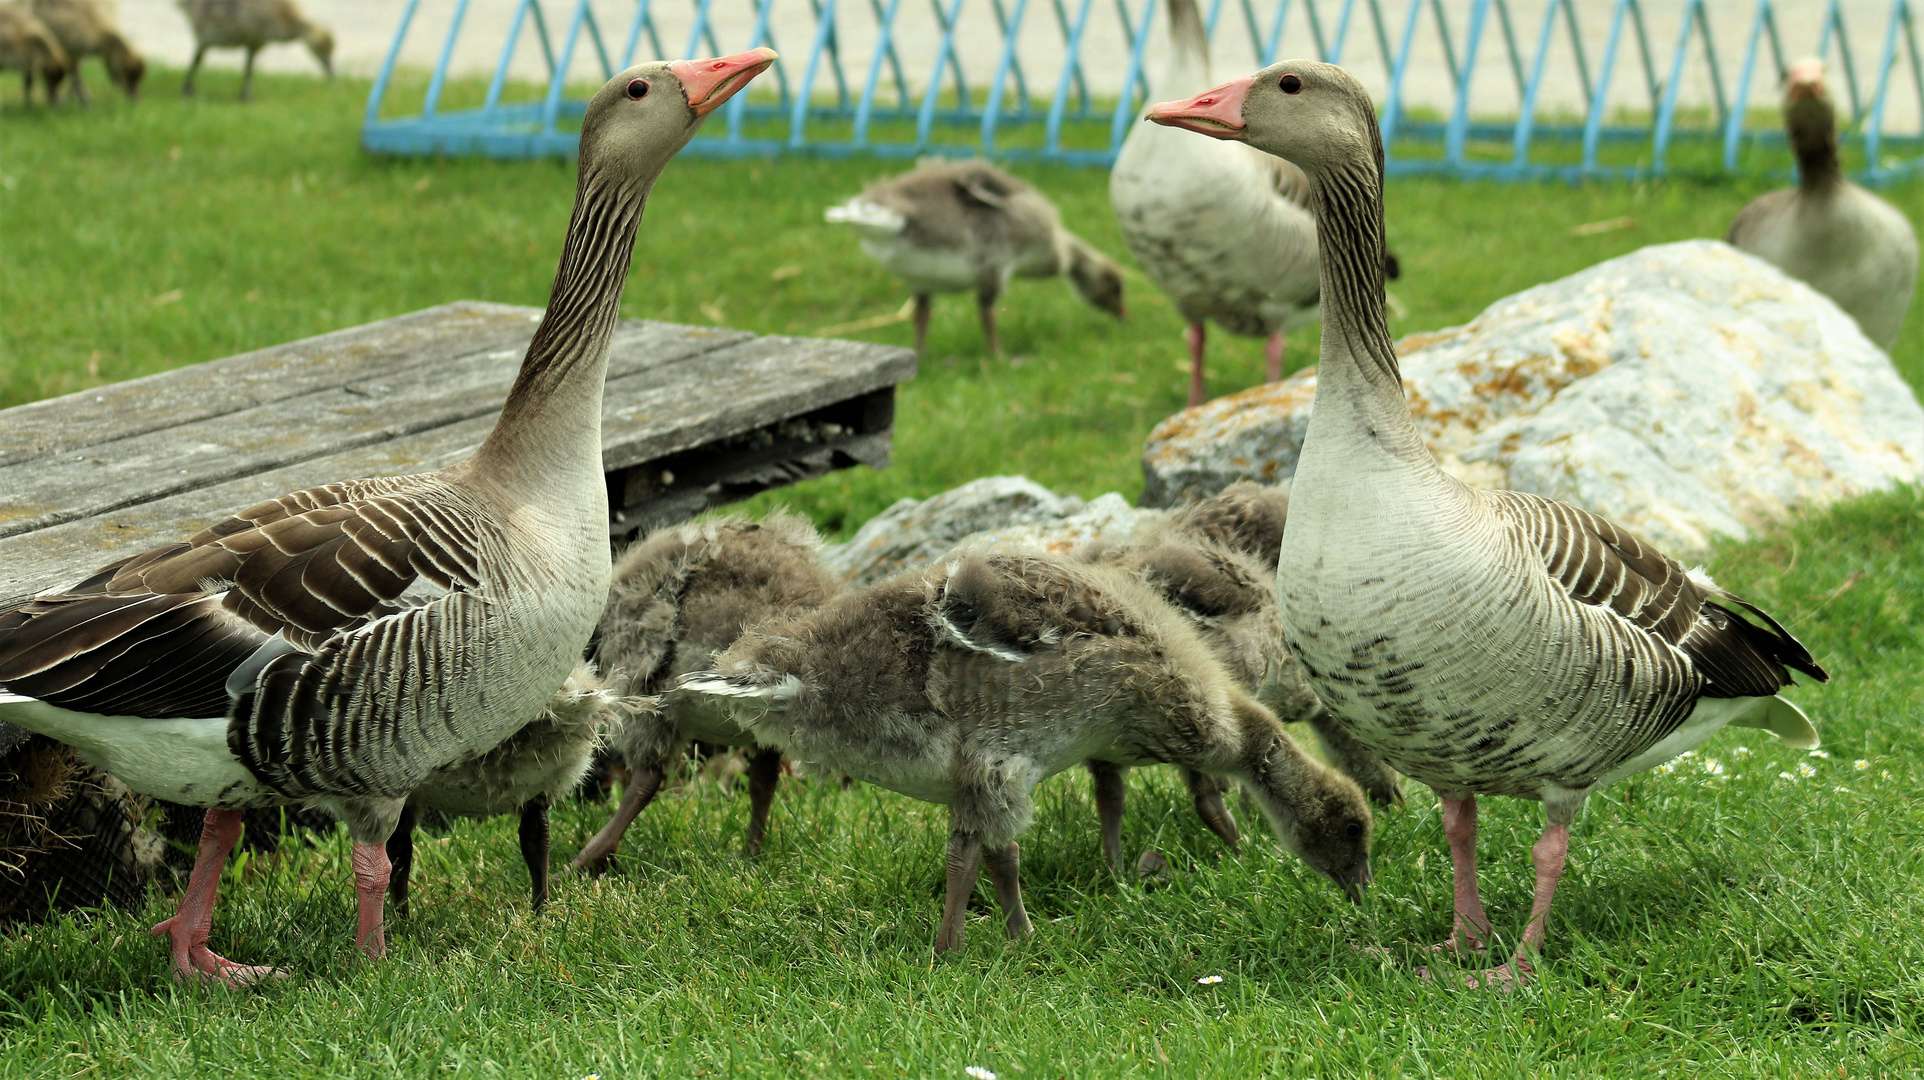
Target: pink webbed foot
x: 1504, y: 978
x: 194, y: 962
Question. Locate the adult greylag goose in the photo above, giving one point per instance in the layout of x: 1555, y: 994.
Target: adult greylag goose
x: 1831, y: 234
x: 969, y: 683
x: 91, y: 28
x: 338, y: 645
x: 1482, y: 642
x: 955, y: 226
x: 1225, y: 230
x: 523, y: 775
x: 679, y: 598
x: 252, y: 25
x: 27, y: 46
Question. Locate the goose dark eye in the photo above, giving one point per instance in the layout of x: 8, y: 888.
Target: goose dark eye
x: 638, y: 89
x: 1290, y: 84
x: 1355, y: 828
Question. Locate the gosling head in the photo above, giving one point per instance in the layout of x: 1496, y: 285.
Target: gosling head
x: 320, y: 42
x: 1096, y: 279
x: 1313, y: 114
x: 1332, y: 833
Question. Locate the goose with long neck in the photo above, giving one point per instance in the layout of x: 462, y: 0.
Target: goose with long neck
x: 339, y: 645
x: 1481, y: 642
x: 1831, y: 234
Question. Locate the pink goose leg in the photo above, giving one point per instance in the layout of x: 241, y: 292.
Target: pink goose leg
x: 371, y: 869
x: 1273, y: 357
x: 1472, y: 929
x: 193, y: 960
x: 1195, y: 336
x: 1549, y: 855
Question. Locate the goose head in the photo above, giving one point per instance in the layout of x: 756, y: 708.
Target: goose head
x: 1809, y: 117
x: 643, y: 116
x: 1314, y: 115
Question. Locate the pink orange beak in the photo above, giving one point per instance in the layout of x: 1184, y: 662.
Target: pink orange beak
x: 1806, y: 79
x: 1216, y: 113
x: 708, y: 83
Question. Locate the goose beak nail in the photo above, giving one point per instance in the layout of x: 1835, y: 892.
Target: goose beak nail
x: 1216, y: 113
x: 708, y: 83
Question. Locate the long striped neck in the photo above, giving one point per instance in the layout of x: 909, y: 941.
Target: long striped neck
x: 1813, y: 138
x: 551, y: 424
x: 1359, y: 388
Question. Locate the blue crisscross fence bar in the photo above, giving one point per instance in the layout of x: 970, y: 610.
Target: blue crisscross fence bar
x: 1505, y: 88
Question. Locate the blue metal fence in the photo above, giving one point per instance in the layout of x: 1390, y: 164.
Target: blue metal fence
x: 1461, y: 89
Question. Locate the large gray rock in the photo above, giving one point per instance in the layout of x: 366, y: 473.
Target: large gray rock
x: 1686, y: 390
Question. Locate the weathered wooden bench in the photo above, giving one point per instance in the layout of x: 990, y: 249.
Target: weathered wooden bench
x: 693, y: 417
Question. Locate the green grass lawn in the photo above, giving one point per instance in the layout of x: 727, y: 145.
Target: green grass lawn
x: 1761, y: 922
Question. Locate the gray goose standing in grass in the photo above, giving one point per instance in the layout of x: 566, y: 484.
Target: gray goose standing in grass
x: 955, y: 226
x: 90, y: 28
x: 252, y: 25
x: 337, y: 645
x: 1482, y: 642
x: 1226, y: 231
x: 679, y: 598
x: 970, y: 683
x: 1843, y: 241
x: 27, y: 46
x: 523, y: 775
x: 1216, y: 562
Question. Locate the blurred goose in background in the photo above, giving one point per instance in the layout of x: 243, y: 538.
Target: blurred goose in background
x: 1225, y: 230
x: 338, y: 645
x: 1838, y: 238
x: 1482, y: 642
x: 969, y: 683
x: 27, y: 46
x: 955, y: 226
x: 252, y: 25
x: 679, y: 598
x: 92, y: 28
x: 523, y: 775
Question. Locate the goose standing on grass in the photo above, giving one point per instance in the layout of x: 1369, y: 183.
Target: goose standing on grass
x: 91, y: 28
x: 1831, y: 234
x: 337, y: 645
x: 679, y: 598
x: 252, y: 25
x: 955, y: 226
x: 1482, y: 642
x: 1225, y: 230
x: 525, y: 774
x: 27, y: 46
x: 970, y: 683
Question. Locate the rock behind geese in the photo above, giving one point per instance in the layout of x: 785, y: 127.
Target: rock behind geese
x: 1482, y: 642
x: 970, y: 683
x: 680, y: 597
x: 1843, y: 241
x: 959, y: 226
x: 338, y: 645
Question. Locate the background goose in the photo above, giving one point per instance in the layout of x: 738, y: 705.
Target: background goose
x: 523, y: 775
x: 679, y: 598
x: 1225, y: 230
x: 1482, y: 642
x: 27, y: 46
x: 91, y: 28
x: 1843, y: 241
x: 971, y: 683
x: 955, y: 226
x: 339, y: 644
x: 252, y: 25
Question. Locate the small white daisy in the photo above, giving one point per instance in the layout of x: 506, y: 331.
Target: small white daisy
x: 1820, y: 753
x: 1805, y: 768
x: 1741, y: 751
x: 1688, y: 753
x: 1785, y: 776
x: 1209, y: 980
x: 977, y: 1072
x: 1884, y: 775
x: 1840, y: 789
x: 1713, y: 767
x: 1860, y: 764
x: 1666, y: 768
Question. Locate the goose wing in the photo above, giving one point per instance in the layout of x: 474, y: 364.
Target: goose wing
x: 1014, y: 606
x: 1609, y: 567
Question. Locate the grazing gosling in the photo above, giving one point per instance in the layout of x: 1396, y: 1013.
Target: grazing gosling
x: 523, y: 775
x: 27, y: 46
x: 953, y: 226
x: 969, y: 683
x: 679, y: 598
x: 90, y: 28
x: 252, y: 25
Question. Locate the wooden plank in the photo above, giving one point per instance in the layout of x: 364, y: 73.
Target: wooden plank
x: 218, y: 387
x: 78, y: 483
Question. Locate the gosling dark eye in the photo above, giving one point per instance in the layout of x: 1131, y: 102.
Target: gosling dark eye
x: 1290, y: 84
x: 638, y: 89
x: 1355, y: 828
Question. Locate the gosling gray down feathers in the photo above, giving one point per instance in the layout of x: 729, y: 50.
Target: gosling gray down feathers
x: 680, y: 597
x: 523, y: 775
x: 953, y: 226
x: 969, y: 683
